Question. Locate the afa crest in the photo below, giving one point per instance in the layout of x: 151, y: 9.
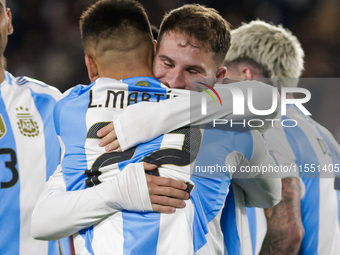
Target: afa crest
x: 2, y: 127
x: 26, y: 124
x: 143, y: 83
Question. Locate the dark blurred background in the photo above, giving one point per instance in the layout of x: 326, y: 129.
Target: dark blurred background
x: 46, y: 42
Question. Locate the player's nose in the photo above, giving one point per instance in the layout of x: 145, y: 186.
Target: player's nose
x: 176, y: 80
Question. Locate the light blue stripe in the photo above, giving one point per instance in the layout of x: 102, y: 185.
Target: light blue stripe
x: 87, y: 235
x: 251, y: 215
x: 244, y: 143
x: 45, y: 105
x: 65, y: 246
x: 200, y: 223
x: 229, y: 226
x: 74, y: 116
x: 8, y: 78
x: 53, y: 248
x: 141, y: 230
x: 10, y: 197
x: 310, y: 216
x: 215, y: 146
x: 142, y: 151
x: 310, y: 203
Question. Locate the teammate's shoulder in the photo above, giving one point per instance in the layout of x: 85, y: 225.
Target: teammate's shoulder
x: 68, y: 95
x: 74, y: 91
x: 37, y: 86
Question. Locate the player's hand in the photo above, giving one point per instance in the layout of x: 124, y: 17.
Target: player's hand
x: 166, y: 194
x: 109, y: 138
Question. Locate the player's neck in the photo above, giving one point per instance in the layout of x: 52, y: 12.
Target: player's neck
x: 124, y: 71
x: 2, y: 75
x: 124, y: 64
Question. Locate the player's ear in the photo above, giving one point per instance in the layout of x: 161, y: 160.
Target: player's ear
x: 221, y: 74
x: 154, y: 46
x: 92, y: 69
x: 9, y: 24
x: 247, y: 73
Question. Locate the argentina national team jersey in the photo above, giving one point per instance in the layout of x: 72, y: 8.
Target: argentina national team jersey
x: 305, y: 147
x: 29, y: 154
x: 313, y: 144
x: 85, y: 109
x: 244, y: 228
x: 235, y: 225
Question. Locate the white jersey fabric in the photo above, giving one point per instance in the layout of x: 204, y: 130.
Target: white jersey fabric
x: 29, y: 153
x: 84, y: 110
x: 313, y: 155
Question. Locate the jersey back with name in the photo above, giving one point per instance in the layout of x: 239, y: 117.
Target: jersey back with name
x: 78, y: 117
x: 29, y: 154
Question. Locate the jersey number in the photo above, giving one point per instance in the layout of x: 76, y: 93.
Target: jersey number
x: 11, y: 166
x: 183, y: 157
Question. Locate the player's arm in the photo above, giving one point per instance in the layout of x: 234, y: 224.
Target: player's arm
x: 261, y: 189
x: 284, y: 226
x: 58, y: 213
x: 154, y: 119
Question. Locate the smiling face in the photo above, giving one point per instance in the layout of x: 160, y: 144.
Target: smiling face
x: 180, y: 58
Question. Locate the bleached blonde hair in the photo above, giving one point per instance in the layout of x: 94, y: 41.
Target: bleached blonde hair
x: 273, y: 48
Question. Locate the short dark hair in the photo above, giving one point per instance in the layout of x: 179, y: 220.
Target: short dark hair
x: 107, y: 18
x: 203, y: 23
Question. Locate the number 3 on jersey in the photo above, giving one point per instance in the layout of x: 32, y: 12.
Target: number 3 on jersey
x: 7, y: 153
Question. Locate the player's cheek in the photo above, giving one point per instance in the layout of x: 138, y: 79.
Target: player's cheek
x: 159, y: 71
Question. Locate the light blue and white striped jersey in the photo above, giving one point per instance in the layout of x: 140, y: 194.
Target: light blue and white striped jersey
x: 315, y: 155
x: 248, y: 233
x: 313, y: 144
x: 235, y: 225
x: 29, y: 154
x: 240, y: 224
x: 85, y: 109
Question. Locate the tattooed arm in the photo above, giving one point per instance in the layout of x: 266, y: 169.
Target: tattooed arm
x: 284, y: 225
